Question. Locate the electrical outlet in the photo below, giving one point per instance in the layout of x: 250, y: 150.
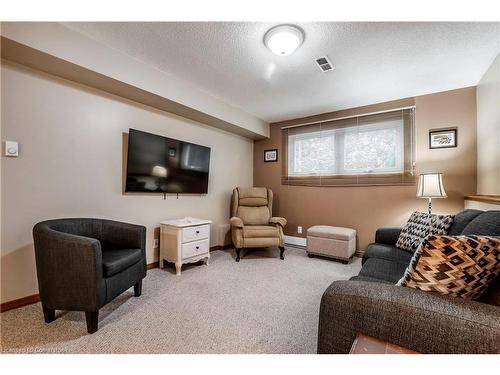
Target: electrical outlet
x: 299, y: 230
x: 155, y: 243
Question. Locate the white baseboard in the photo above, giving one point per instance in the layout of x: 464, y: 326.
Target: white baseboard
x: 295, y: 241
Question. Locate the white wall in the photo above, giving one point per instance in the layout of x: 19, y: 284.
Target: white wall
x: 70, y: 165
x: 488, y: 131
x: 60, y: 41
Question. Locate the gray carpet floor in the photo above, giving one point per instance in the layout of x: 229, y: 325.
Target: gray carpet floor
x: 259, y: 305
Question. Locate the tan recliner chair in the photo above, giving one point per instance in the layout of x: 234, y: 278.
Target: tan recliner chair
x: 252, y: 224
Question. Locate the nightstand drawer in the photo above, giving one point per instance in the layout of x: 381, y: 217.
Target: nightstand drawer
x: 195, y: 248
x: 195, y: 233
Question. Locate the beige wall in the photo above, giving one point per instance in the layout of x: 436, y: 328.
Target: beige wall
x: 367, y: 208
x: 488, y: 131
x: 70, y: 165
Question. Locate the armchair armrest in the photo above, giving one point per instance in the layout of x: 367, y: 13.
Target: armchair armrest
x: 388, y: 236
x: 124, y: 235
x: 423, y: 321
x: 71, y: 261
x: 236, y: 222
x: 278, y: 220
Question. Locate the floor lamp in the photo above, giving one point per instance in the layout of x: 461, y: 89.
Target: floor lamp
x: 430, y: 185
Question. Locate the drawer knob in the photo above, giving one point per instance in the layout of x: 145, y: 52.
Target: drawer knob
x: 197, y: 247
x: 197, y: 232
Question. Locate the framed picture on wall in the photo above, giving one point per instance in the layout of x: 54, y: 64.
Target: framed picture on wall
x: 443, y: 138
x: 271, y: 155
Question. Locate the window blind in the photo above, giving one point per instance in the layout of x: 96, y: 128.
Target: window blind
x: 374, y: 149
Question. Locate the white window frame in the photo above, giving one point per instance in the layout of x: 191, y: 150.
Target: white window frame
x: 338, y: 134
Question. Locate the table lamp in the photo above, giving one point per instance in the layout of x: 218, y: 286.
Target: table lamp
x: 430, y: 185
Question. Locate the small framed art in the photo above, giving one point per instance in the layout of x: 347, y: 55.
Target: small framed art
x: 271, y: 155
x: 443, y: 138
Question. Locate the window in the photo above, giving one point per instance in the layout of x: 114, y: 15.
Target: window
x: 373, y: 149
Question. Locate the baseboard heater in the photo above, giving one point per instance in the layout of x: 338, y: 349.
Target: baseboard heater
x: 292, y: 241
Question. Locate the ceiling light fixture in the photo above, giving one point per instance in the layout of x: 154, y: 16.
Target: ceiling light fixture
x: 283, y: 40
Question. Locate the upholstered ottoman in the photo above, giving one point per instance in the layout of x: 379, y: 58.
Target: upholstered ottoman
x: 334, y: 242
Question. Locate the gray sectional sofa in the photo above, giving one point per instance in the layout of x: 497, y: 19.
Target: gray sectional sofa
x: 372, y: 304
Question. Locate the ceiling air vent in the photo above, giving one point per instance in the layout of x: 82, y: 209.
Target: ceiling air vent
x: 324, y: 64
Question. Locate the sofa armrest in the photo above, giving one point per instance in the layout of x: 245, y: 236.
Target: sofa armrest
x: 124, y: 235
x: 69, y: 270
x: 422, y: 321
x: 388, y: 236
x: 281, y: 221
x: 236, y: 222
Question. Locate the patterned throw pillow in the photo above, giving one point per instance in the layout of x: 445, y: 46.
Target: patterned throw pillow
x: 459, y: 266
x: 421, y: 225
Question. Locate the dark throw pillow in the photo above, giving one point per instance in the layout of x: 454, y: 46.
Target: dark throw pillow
x: 459, y: 266
x: 421, y: 225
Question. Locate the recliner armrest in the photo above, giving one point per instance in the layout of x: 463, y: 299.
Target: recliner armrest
x: 278, y: 220
x: 236, y: 222
x: 423, y: 321
x: 388, y: 236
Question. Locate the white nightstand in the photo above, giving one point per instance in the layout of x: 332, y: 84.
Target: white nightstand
x: 184, y: 241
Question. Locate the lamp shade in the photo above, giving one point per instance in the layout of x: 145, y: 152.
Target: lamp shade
x: 430, y: 185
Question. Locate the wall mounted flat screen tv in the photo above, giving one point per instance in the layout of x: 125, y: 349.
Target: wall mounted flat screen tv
x: 157, y: 164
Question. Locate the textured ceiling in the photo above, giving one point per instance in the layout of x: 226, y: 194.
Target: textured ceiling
x: 374, y: 62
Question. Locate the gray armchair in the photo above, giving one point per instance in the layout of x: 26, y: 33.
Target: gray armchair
x: 82, y: 264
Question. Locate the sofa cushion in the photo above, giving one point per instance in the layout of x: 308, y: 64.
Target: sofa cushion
x: 419, y: 226
x: 458, y: 266
x: 461, y: 220
x: 259, y: 231
x: 387, y: 252
x: 485, y: 224
x: 369, y: 279
x: 382, y: 269
x: 114, y: 261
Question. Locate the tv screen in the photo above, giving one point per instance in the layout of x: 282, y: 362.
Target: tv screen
x: 157, y: 164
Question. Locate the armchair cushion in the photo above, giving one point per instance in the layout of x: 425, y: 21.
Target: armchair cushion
x: 278, y: 220
x: 253, y: 215
x: 259, y: 231
x: 236, y: 222
x: 115, y: 261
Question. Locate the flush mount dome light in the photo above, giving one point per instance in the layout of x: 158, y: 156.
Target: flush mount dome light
x: 283, y: 40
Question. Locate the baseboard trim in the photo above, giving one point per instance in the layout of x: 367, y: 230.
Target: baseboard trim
x: 221, y: 247
x: 153, y: 265
x: 21, y: 302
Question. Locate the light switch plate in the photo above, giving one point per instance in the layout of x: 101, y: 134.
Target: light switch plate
x: 11, y: 148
